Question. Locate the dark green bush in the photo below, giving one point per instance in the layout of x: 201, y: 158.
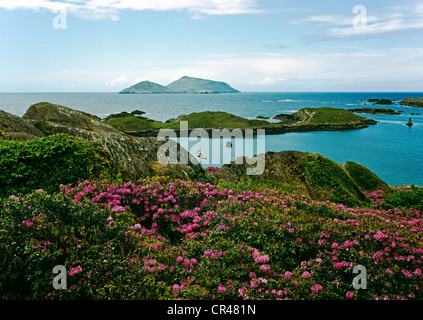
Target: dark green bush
x: 45, y: 163
x: 405, y: 199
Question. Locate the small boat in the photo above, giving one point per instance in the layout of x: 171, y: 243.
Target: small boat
x: 229, y: 144
x: 200, y: 155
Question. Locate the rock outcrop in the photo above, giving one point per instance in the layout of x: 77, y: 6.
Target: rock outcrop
x: 14, y: 128
x: 375, y: 111
x: 132, y: 156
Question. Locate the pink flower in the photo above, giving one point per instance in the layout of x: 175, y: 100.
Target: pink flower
x: 221, y: 289
x: 175, y: 287
x: 265, y: 268
x: 287, y: 275
x: 74, y: 271
x: 350, y: 295
x: 179, y: 259
x: 306, y: 274
x: 27, y: 223
x: 407, y: 273
x: 389, y: 271
x: 291, y: 230
x: 316, y: 288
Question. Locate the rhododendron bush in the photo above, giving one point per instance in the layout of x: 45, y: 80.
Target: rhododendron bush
x: 176, y: 239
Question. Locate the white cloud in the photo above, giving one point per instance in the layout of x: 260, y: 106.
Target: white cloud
x: 378, y: 21
x: 101, y: 9
x: 118, y: 82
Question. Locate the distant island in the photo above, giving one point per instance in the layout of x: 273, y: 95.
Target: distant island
x: 412, y: 102
x: 380, y: 101
x: 375, y: 111
x: 185, y: 85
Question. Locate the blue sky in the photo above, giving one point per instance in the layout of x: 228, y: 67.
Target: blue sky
x: 254, y: 45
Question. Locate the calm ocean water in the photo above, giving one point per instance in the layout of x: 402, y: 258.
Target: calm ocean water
x: 390, y: 149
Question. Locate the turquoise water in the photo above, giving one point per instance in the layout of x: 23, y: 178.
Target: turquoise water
x: 390, y: 149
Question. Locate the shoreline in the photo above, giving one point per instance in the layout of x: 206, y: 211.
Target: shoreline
x: 269, y: 130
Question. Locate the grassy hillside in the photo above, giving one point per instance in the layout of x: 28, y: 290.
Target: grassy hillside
x: 216, y: 119
x: 326, y: 115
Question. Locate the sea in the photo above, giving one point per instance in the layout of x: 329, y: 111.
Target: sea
x: 390, y: 149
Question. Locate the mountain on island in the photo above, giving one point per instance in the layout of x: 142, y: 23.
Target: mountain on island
x: 146, y: 87
x: 183, y: 85
x: 197, y: 85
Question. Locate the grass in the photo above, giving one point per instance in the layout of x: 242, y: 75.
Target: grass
x: 326, y: 115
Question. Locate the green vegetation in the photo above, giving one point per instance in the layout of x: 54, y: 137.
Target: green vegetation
x: 168, y: 239
x: 47, y: 162
x: 405, y: 199
x: 294, y: 232
x: 412, y: 102
x: 326, y: 115
x: 364, y: 178
x: 330, y: 181
x: 133, y: 123
x: 216, y: 119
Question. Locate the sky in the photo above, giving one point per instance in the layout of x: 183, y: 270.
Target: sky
x: 253, y: 45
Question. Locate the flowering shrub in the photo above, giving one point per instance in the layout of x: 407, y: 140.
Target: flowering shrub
x: 214, y: 169
x: 176, y: 239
